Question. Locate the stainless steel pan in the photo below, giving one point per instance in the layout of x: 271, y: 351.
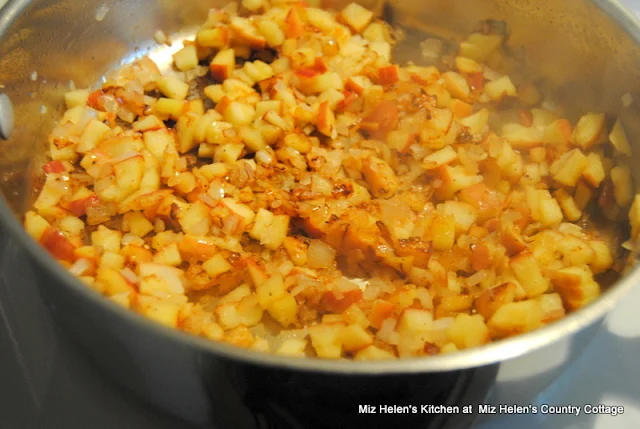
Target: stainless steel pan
x: 587, y: 52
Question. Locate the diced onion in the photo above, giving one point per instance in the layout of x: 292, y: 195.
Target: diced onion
x: 80, y: 267
x: 129, y: 276
x: 320, y: 254
x: 476, y: 278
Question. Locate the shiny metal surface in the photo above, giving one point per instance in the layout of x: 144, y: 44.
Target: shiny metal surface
x: 587, y: 51
x: 7, y: 117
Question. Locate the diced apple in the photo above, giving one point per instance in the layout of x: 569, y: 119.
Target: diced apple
x: 516, y: 318
x: 271, y: 32
x: 575, y: 251
x: 634, y: 217
x: 148, y: 123
x: 334, y: 303
x: 457, y: 85
x: 216, y: 37
x: 444, y: 230
x: 216, y: 265
x: 477, y: 122
x: 229, y: 152
x: 488, y: 302
x: 223, y: 64
x: 380, y: 311
x: 356, y: 17
x: 588, y: 130
x: 463, y: 214
x: 239, y: 114
x: 528, y: 274
x: 380, y: 177
x: 444, y: 156
x: 594, y: 173
x: 354, y: 338
x: 468, y: 331
x: 499, y: 88
x: 568, y: 205
x: 173, y: 87
x: 325, y: 339
x: 622, y: 185
x: 92, y: 135
x: 479, y: 46
x: 358, y: 84
x: 453, y: 304
x: 76, y: 98
x: 603, y: 259
x: 294, y: 347
x: 568, y: 169
x: 557, y: 132
x: 384, y: 118
x: 169, y: 108
x: 245, y: 33
x: 35, y: 225
x: 326, y: 121
x: 414, y: 321
x: 321, y: 19
x: 274, y: 237
x: 619, y: 140
x: 163, y: 311
x: 168, y: 256
x: 576, y: 286
x: 551, y: 306
x: 284, y: 310
x: 137, y: 224
x: 57, y: 244
x: 268, y: 289
x: 521, y: 137
x: 129, y: 173
x: 186, y: 58
x: 157, y: 141
x: 373, y: 353
x: 293, y: 25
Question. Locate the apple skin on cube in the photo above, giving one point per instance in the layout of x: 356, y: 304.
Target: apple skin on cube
x: 223, y: 64
x: 326, y: 120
